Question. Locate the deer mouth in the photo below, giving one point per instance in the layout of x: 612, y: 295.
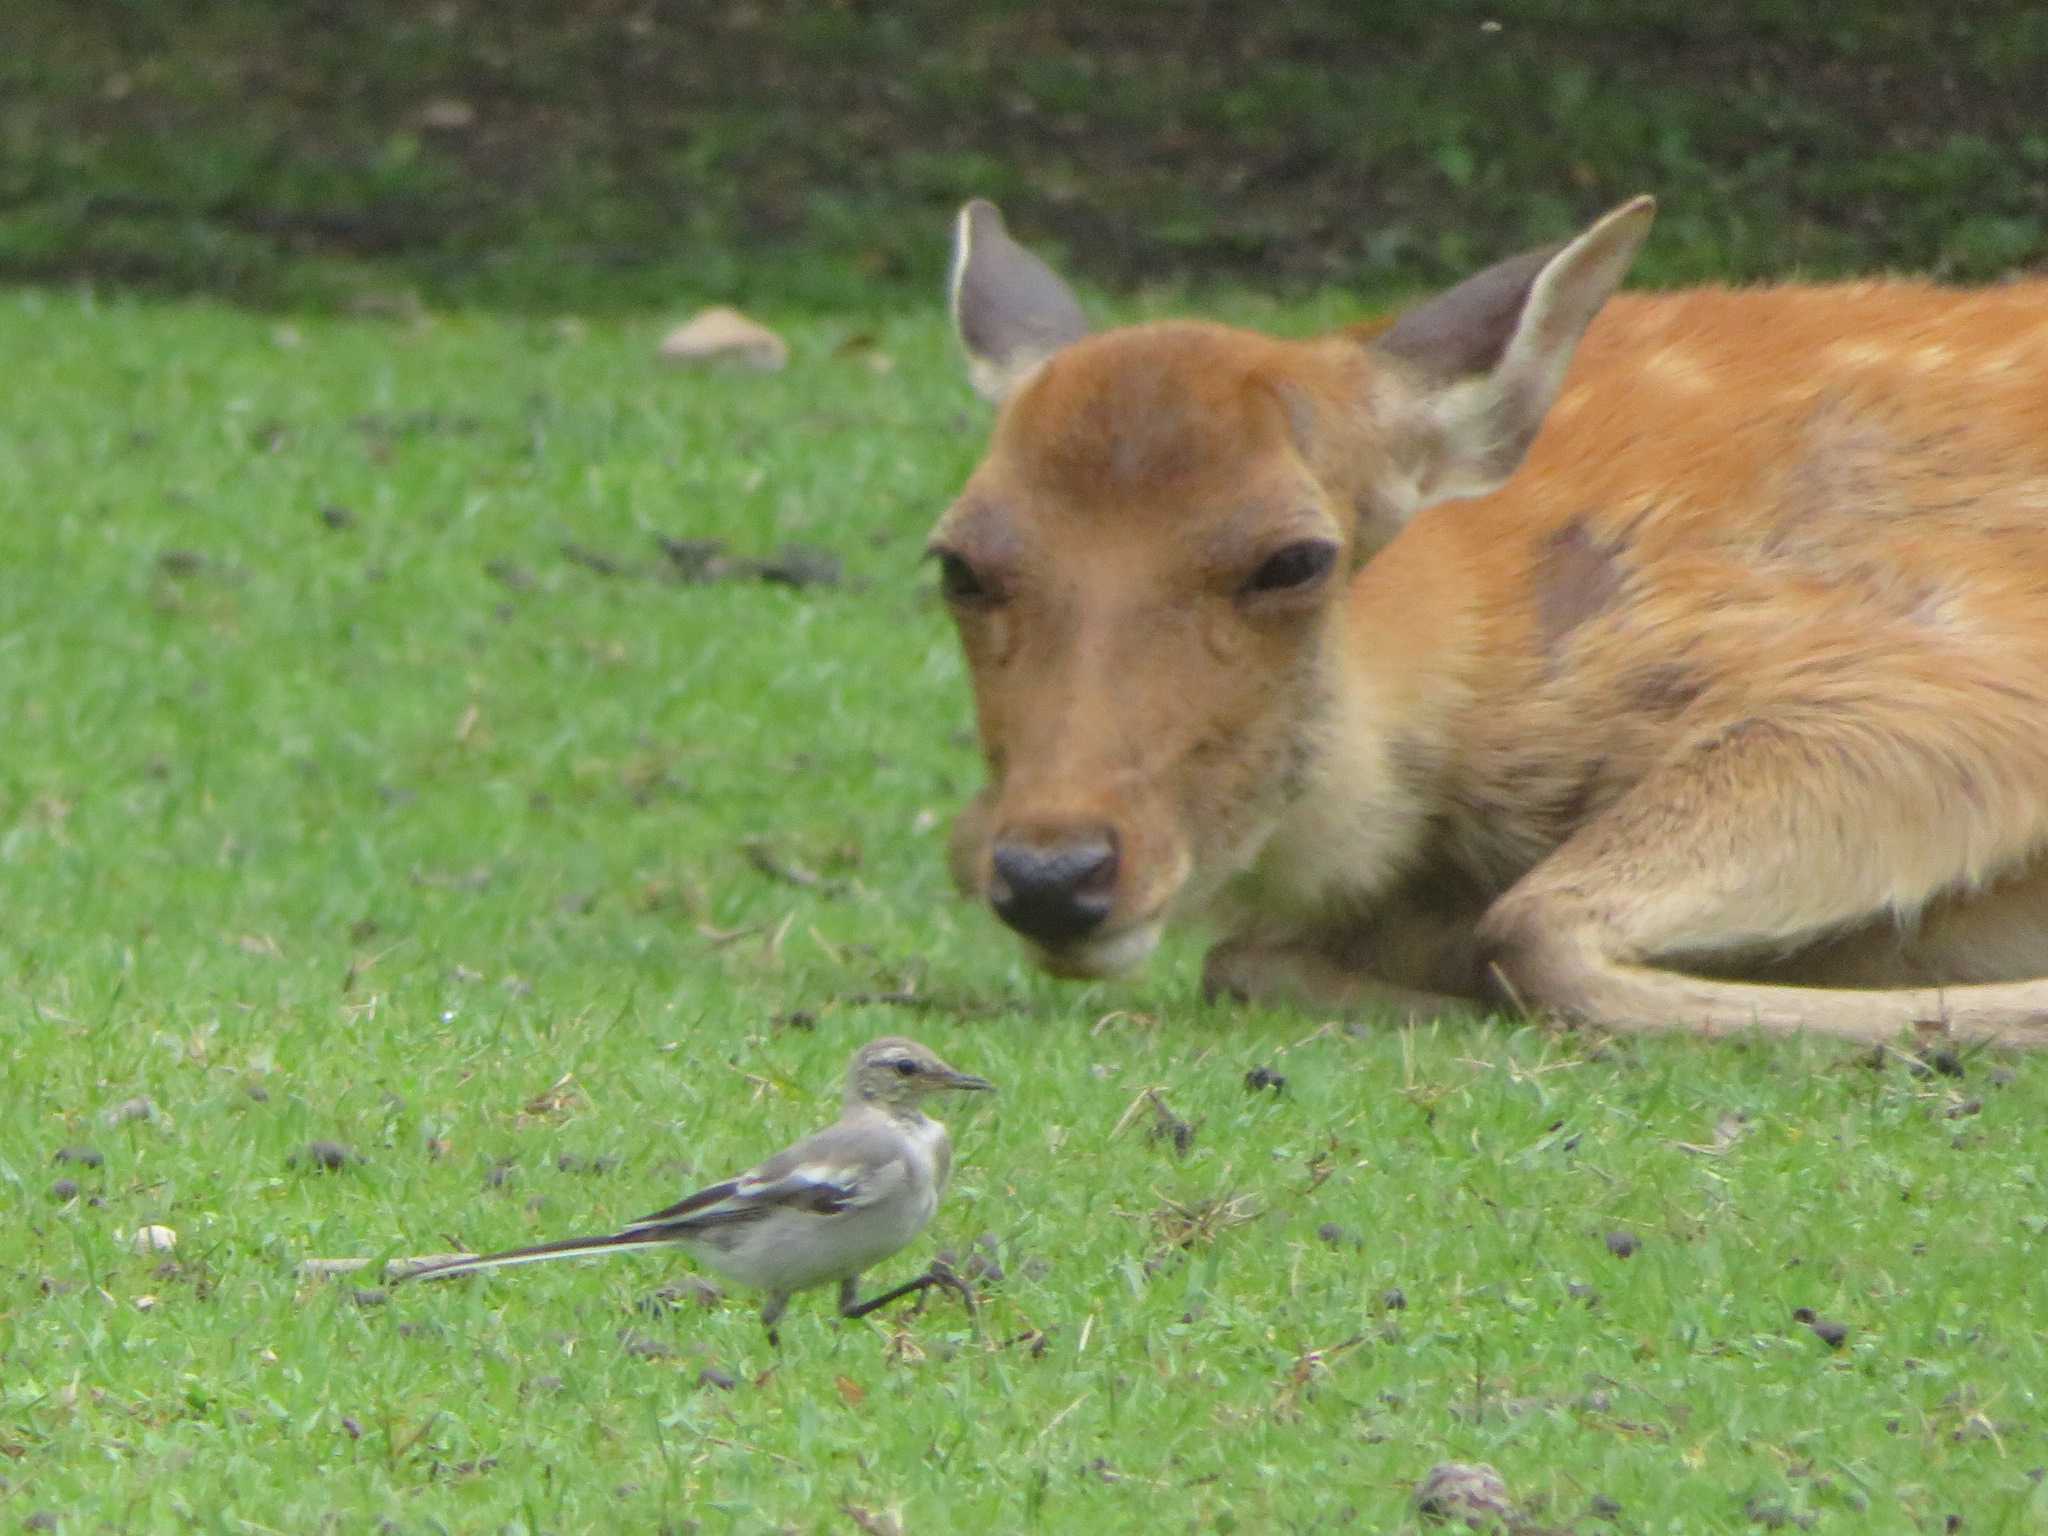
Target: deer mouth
x: 1100, y: 957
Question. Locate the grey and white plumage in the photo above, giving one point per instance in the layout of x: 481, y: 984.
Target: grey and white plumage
x: 826, y: 1209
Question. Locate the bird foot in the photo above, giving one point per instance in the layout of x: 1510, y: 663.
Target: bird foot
x: 940, y: 1274
x: 943, y: 1276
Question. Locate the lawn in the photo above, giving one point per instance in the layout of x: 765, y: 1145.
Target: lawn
x: 611, y: 153
x: 403, y: 848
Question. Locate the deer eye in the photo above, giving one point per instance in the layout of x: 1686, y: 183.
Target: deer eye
x: 1293, y: 566
x: 958, y: 581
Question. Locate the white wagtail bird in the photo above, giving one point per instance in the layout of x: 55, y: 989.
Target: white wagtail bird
x: 826, y: 1209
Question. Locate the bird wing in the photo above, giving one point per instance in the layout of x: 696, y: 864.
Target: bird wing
x: 842, y: 1168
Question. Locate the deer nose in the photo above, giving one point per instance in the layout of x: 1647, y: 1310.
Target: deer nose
x: 1055, y: 892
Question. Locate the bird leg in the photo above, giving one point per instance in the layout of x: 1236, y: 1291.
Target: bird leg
x: 940, y: 1274
x: 771, y: 1314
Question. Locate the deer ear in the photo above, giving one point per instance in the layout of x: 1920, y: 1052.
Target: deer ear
x: 1011, y: 310
x: 1483, y: 363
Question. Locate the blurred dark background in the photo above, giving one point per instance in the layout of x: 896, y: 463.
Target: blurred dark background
x: 611, y: 153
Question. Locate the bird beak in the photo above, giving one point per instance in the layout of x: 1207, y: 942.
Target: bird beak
x: 968, y: 1080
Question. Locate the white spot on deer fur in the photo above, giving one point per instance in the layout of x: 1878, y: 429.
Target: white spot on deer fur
x: 2026, y: 353
x: 1862, y: 354
x: 1679, y: 369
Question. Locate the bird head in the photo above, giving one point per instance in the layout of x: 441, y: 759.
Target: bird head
x: 896, y: 1073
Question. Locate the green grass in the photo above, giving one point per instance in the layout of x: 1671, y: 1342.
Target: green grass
x: 622, y: 153
x: 415, y: 835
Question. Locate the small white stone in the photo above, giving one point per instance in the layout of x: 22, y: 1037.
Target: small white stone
x: 153, y: 1240
x: 145, y: 1303
x: 722, y: 335
x: 448, y: 113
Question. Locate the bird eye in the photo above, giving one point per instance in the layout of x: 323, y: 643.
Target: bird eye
x: 958, y: 581
x: 905, y: 1067
x: 1293, y: 566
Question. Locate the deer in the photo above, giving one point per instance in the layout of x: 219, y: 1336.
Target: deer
x: 1650, y: 661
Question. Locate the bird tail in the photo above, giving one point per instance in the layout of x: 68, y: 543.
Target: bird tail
x: 562, y: 1248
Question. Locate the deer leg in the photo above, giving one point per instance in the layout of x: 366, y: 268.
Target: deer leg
x: 1767, y: 839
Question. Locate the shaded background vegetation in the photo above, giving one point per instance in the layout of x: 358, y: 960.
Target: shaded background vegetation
x: 616, y: 152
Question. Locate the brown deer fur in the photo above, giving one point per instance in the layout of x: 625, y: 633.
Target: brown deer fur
x: 1720, y: 702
